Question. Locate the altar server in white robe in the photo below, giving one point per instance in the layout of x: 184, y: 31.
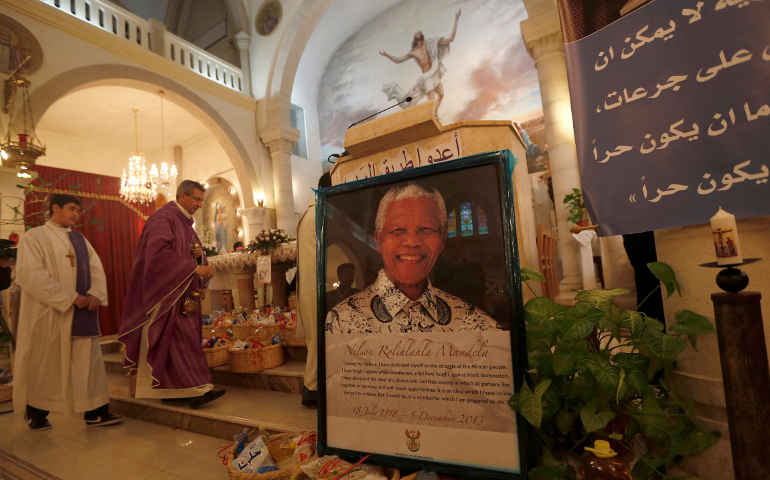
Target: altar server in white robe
x: 59, y: 365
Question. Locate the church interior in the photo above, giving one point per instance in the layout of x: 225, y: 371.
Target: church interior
x: 257, y: 102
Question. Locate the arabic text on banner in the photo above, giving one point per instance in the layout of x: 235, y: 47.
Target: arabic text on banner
x: 671, y: 110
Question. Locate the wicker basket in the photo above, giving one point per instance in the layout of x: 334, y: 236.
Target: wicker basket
x: 217, y: 356
x: 265, y: 333
x: 243, y: 332
x: 207, y: 331
x: 254, y: 360
x: 6, y: 393
x: 391, y: 473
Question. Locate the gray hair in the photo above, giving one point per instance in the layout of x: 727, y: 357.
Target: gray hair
x: 410, y: 190
x: 187, y: 187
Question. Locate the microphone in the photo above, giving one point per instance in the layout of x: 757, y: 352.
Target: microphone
x: 406, y: 100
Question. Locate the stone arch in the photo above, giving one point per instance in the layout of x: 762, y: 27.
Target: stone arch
x: 280, y: 81
x: 127, y: 76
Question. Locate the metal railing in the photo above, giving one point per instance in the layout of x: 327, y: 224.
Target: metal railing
x: 124, y: 24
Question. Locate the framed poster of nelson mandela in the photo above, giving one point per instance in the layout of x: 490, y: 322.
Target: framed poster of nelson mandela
x: 421, y: 320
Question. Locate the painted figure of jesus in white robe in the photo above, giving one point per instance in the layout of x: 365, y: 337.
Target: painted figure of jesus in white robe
x: 57, y: 367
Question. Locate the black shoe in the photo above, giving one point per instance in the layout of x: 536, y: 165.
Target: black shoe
x: 309, y: 398
x: 37, y: 419
x: 39, y: 424
x: 104, y: 420
x: 207, y: 397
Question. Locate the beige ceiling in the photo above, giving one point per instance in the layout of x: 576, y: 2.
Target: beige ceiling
x: 104, y: 114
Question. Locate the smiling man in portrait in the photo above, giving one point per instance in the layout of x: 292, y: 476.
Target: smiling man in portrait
x: 410, y: 233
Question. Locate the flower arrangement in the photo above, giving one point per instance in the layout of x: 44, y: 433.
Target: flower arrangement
x: 268, y: 240
x: 210, y: 250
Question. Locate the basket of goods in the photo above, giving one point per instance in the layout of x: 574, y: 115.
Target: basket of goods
x: 289, y: 329
x: 266, y: 457
x: 243, y: 331
x: 253, y: 356
x: 244, y: 326
x: 216, y: 350
x: 333, y: 468
x: 221, y: 326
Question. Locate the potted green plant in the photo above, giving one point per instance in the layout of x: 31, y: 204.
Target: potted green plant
x: 576, y: 207
x: 598, y: 372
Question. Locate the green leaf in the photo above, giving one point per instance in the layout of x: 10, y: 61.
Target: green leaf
x: 630, y: 361
x: 542, y: 308
x: 621, y: 386
x: 527, y: 275
x: 563, y: 363
x: 592, y: 420
x: 529, y: 404
x: 667, y: 347
x: 600, y: 298
x: 541, y: 387
x: 691, y: 324
x: 580, y: 329
x: 667, y: 277
x: 605, y: 373
x: 613, y: 319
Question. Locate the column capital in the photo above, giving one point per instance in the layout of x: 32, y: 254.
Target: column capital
x: 242, y: 40
x: 542, y: 34
x: 280, y: 140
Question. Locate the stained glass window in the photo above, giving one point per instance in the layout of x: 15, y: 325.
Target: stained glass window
x: 483, y: 229
x: 452, y: 225
x: 466, y: 220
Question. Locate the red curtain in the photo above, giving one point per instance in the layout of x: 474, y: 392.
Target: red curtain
x: 112, y: 227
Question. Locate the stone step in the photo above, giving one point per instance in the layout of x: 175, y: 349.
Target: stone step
x: 223, y: 418
x: 287, y: 378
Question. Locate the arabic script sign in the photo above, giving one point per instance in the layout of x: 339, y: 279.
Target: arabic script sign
x: 672, y: 114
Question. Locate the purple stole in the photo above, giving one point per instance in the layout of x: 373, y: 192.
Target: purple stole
x: 85, y: 323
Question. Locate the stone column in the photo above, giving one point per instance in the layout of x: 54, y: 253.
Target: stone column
x: 257, y: 219
x: 280, y: 146
x: 243, y: 42
x: 542, y: 36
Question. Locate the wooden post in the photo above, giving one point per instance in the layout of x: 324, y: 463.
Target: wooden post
x: 746, y: 379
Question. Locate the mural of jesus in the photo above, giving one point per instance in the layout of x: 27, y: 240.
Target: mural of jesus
x: 429, y: 55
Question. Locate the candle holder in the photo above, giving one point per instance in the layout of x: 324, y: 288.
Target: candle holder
x: 731, y: 279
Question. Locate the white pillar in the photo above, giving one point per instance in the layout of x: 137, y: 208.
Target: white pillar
x: 257, y: 219
x: 279, y: 142
x: 542, y: 35
x: 243, y: 42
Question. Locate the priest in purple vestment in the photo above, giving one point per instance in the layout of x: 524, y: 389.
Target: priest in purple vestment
x: 161, y: 324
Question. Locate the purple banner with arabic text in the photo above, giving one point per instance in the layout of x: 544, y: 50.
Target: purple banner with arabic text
x: 671, y: 108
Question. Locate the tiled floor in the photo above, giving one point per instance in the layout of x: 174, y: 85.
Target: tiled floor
x: 134, y: 450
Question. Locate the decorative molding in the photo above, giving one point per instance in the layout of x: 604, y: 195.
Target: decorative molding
x: 116, y: 45
x: 97, y: 196
x: 277, y: 139
x: 545, y: 45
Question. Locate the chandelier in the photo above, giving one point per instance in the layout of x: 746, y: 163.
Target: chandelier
x: 142, y: 184
x: 20, y: 148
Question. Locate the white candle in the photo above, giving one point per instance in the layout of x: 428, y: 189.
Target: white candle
x: 727, y: 245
